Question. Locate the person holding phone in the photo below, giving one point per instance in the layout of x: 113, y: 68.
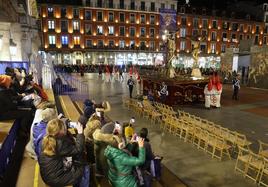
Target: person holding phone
x: 61, y: 161
x: 121, y: 163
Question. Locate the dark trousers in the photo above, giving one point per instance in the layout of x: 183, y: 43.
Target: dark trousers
x: 130, y: 90
x: 26, y: 119
x: 235, y: 93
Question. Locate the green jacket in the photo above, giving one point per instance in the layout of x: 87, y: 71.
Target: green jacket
x: 121, y: 166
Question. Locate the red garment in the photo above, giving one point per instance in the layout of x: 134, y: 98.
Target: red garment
x: 214, y: 81
x: 40, y: 92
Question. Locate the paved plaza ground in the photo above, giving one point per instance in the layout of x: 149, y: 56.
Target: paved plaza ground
x: 248, y: 115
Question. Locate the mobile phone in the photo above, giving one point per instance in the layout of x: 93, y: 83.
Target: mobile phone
x: 98, y: 114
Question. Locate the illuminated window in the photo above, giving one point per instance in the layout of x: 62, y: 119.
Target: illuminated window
x: 121, y: 43
x: 151, y: 46
x: 51, y: 40
x: 182, y: 32
x: 76, y: 40
x: 182, y: 45
x: 50, y: 9
x: 64, y: 40
x: 213, y: 36
x: 132, y: 44
x: 111, y: 30
x: 76, y: 25
x: 213, y: 48
x: 99, y: 29
x: 51, y: 24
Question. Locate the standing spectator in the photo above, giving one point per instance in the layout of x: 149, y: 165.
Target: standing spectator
x: 121, y: 163
x: 60, y: 161
x: 236, y: 87
x: 130, y: 84
x: 163, y: 93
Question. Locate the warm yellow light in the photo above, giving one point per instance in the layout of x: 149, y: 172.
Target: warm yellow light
x: 81, y: 17
x: 127, y: 21
x: 230, y: 29
x: 147, y: 45
x: 127, y: 45
x: 178, y: 23
x: 95, y: 44
x: 156, y: 50
x: 45, y: 30
x: 116, y: 34
x: 200, y: 26
x: 260, y: 43
x: 82, y: 46
x: 137, y: 21
x: 228, y: 40
x: 126, y: 35
x: 105, y: 20
x: 116, y: 44
x: 189, y: 24
x: 157, y: 23
x: 261, y: 32
x: 178, y: 36
x: 253, y: 32
x: 137, y: 35
x: 58, y: 46
x: 137, y: 45
x: 218, y: 40
x: 208, y: 39
x: 94, y: 34
x: 44, y: 15
x: 70, y: 17
x: 57, y: 15
x: 71, y: 46
x: 147, y: 36
x: 116, y: 21
x: 82, y: 32
x: 70, y: 31
x: 209, y: 26
x: 157, y: 37
x: 106, y: 44
x: 178, y: 50
x: 58, y: 31
x: 245, y: 31
x: 147, y: 22
x: 217, y: 52
x: 46, y: 46
x: 188, y: 51
x: 105, y: 34
x: 219, y: 27
x: 94, y: 19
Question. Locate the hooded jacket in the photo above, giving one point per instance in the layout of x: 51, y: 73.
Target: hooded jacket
x: 121, y: 166
x: 52, y: 168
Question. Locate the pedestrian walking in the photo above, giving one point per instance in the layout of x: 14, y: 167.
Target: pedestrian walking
x: 163, y: 93
x: 130, y: 84
x: 236, y: 87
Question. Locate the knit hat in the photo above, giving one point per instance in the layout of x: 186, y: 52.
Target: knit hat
x: 5, y: 81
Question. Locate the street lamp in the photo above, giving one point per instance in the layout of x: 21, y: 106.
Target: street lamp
x: 1, y: 42
x: 12, y: 47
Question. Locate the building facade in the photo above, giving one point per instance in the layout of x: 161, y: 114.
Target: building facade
x: 19, y: 36
x: 122, y: 32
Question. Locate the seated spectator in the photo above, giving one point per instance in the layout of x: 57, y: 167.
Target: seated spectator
x: 121, y: 163
x: 37, y: 118
x: 39, y: 129
x: 10, y: 110
x: 60, y: 161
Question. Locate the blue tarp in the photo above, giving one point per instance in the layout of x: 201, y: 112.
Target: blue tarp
x: 13, y: 64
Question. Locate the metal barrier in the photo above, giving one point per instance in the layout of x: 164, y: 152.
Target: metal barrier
x: 71, y: 86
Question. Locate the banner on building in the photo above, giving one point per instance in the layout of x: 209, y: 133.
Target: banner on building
x: 32, y: 8
x: 168, y: 19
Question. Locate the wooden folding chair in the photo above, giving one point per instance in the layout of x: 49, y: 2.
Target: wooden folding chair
x: 264, y: 173
x: 242, y: 160
x: 263, y: 149
x: 254, y: 167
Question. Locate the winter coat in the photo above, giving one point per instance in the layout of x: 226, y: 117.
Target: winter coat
x: 7, y: 101
x: 52, y: 168
x: 121, y: 166
x: 91, y: 126
x: 148, y: 156
x: 39, y: 131
x: 101, y: 141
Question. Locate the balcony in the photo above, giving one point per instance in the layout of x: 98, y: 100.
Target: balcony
x: 224, y: 39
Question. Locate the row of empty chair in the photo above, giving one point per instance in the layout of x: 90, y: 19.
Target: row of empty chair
x: 208, y: 136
